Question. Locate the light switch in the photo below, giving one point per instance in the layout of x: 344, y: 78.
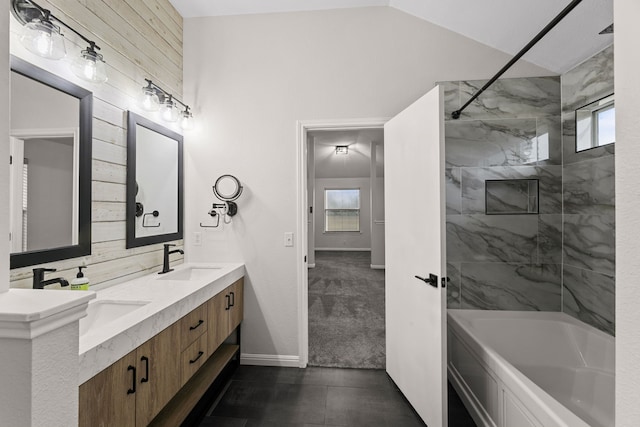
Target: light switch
x: 288, y: 238
x: 197, y: 238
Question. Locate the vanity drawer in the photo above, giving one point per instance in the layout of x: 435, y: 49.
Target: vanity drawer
x: 192, y: 326
x: 193, y: 358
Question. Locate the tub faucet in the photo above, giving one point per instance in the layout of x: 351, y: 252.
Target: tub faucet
x: 167, y: 252
x: 40, y: 283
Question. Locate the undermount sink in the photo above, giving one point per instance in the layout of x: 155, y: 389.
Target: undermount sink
x: 101, y: 312
x: 190, y: 273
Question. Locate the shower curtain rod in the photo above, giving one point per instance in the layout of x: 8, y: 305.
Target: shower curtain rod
x: 456, y: 114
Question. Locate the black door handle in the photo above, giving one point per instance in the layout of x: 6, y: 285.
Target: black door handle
x: 431, y: 280
x: 233, y: 298
x: 133, y: 388
x: 228, y: 302
x: 146, y: 369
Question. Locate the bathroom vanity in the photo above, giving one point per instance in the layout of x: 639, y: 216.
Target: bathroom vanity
x: 169, y: 340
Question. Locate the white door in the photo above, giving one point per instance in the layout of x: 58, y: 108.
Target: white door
x: 415, y: 246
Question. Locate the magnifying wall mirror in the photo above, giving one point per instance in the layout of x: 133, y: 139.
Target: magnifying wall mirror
x: 154, y: 183
x: 227, y: 188
x: 50, y: 171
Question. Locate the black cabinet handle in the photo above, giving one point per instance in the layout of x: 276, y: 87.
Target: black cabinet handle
x: 228, y: 305
x: 200, y: 322
x: 145, y: 359
x: 233, y: 299
x: 133, y: 387
x: 200, y: 353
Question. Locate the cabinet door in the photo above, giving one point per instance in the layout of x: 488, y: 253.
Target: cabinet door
x: 237, y: 297
x: 218, y: 329
x: 158, y: 362
x: 108, y: 399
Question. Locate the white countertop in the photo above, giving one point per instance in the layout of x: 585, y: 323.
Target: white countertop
x: 168, y: 302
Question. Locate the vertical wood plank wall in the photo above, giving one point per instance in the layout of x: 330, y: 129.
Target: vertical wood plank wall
x: 139, y: 39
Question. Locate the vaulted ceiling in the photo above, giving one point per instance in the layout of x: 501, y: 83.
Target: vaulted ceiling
x: 506, y: 25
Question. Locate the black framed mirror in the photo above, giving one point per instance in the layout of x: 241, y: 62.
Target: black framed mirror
x: 154, y: 182
x: 50, y: 172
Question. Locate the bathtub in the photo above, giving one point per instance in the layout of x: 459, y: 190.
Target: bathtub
x: 521, y: 369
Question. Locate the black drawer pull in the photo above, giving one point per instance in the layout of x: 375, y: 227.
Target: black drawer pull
x: 233, y: 298
x: 200, y: 322
x: 200, y: 353
x: 133, y: 388
x: 146, y: 369
x: 228, y: 305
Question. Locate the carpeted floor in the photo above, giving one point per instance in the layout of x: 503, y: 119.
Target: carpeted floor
x: 346, y: 311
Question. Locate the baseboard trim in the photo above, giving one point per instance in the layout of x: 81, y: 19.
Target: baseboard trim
x: 344, y: 249
x: 377, y: 266
x: 270, y: 360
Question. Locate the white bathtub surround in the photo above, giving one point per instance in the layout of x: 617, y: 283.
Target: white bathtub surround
x: 161, y: 301
x: 540, y: 369
x: 38, y: 360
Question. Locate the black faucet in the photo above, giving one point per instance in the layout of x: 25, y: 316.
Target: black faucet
x: 40, y: 283
x: 167, y: 252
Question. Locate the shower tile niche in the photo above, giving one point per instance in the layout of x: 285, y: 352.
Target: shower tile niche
x: 511, y: 196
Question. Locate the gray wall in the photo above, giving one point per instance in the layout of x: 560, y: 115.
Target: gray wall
x: 512, y: 131
x: 589, y: 202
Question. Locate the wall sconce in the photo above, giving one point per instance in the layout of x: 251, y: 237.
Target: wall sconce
x: 41, y: 36
x: 154, y: 98
x: 342, y: 149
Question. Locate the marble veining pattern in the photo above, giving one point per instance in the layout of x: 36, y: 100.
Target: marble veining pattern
x: 512, y: 98
x: 588, y: 187
x: 508, y: 286
x: 502, y: 238
x: 550, y: 186
x: 490, y: 142
x: 453, y: 190
x: 591, y: 80
x: 590, y: 297
x: 589, y: 242
x: 550, y: 239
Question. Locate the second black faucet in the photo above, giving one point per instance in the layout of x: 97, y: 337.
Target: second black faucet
x: 167, y: 252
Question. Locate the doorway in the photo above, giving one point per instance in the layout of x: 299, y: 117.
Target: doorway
x: 346, y: 301
x: 336, y: 242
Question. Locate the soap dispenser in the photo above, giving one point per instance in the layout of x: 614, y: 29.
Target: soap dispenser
x: 80, y: 283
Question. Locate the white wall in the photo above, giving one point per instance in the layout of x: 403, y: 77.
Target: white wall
x: 5, y: 108
x: 348, y: 240
x: 627, y: 89
x: 249, y: 78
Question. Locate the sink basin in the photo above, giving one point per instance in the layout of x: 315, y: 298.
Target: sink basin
x: 190, y: 273
x: 101, y: 312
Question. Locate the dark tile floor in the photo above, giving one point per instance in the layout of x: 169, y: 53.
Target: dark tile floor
x: 291, y: 397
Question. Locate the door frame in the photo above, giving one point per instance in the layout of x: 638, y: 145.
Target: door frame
x: 302, y: 127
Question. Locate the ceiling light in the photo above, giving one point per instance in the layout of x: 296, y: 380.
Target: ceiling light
x: 342, y: 149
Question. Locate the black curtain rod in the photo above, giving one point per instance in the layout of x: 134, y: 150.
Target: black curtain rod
x: 456, y: 114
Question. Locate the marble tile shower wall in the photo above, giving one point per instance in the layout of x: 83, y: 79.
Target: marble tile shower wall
x: 589, y: 205
x: 512, y: 131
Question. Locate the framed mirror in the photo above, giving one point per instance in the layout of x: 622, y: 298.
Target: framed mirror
x: 50, y: 173
x: 154, y: 183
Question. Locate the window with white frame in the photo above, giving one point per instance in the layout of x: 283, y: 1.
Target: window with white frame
x: 595, y: 124
x: 342, y: 210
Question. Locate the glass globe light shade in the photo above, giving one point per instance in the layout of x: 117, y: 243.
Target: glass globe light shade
x: 168, y: 111
x: 89, y: 66
x: 187, y: 120
x: 44, y: 39
x: 149, y: 100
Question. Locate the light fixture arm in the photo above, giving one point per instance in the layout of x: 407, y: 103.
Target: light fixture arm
x: 159, y: 91
x: 20, y: 12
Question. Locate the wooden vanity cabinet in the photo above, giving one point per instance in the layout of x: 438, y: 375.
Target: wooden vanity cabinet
x: 225, y: 314
x: 133, y: 390
x: 162, y: 372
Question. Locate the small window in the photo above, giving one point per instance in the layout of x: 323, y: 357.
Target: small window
x: 342, y: 210
x: 596, y: 124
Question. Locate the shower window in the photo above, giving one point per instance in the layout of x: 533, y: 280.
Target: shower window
x: 342, y: 210
x: 595, y: 124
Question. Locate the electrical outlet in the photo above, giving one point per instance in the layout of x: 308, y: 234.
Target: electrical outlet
x: 197, y: 238
x: 288, y: 239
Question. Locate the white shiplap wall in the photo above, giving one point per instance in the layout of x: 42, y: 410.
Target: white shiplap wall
x: 139, y: 39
